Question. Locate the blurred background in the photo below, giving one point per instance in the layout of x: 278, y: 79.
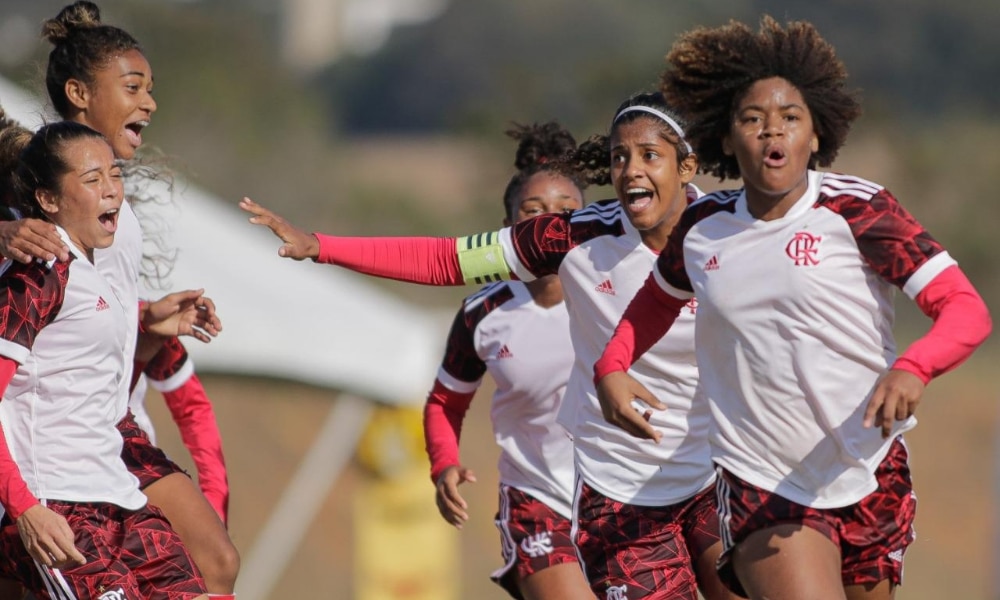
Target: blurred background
x: 378, y: 117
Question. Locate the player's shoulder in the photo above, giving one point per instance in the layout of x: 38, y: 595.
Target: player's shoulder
x: 710, y: 204
x: 33, y: 276
x: 607, y: 211
x: 847, y: 187
x: 488, y: 298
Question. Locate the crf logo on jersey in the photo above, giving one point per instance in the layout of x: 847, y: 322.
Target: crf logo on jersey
x: 616, y: 592
x: 118, y: 594
x: 803, y: 248
x: 538, y: 544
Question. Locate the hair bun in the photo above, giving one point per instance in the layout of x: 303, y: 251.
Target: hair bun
x: 540, y: 143
x: 79, y: 15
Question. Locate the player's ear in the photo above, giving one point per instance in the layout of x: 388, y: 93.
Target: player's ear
x: 47, y: 200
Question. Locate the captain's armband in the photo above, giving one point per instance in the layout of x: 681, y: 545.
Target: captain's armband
x: 480, y: 257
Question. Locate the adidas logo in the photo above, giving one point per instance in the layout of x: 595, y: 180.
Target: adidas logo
x: 102, y: 304
x: 505, y: 352
x: 712, y: 264
x: 606, y: 288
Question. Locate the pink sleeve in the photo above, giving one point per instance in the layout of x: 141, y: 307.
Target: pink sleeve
x: 192, y: 411
x: 443, y: 415
x: 14, y: 493
x: 430, y: 261
x: 961, y: 323
x: 648, y: 317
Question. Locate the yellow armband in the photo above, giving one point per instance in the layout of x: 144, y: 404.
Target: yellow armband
x: 480, y: 257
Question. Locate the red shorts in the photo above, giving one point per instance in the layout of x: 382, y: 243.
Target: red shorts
x: 647, y: 552
x: 532, y: 537
x: 872, y: 534
x: 130, y: 554
x: 144, y: 460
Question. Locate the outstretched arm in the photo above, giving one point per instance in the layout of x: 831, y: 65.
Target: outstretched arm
x: 429, y: 261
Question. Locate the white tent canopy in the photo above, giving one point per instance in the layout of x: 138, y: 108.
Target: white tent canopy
x: 301, y: 321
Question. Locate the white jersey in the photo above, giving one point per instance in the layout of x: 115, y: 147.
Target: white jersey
x: 602, y: 263
x: 795, y: 327
x: 527, y: 351
x: 68, y: 331
x: 167, y: 371
x: 120, y: 265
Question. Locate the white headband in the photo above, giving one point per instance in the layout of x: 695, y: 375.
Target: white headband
x: 662, y: 115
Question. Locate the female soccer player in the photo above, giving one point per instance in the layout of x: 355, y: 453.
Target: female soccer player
x: 76, y: 524
x: 794, y: 275
x: 519, y: 333
x: 97, y: 75
x: 645, y: 512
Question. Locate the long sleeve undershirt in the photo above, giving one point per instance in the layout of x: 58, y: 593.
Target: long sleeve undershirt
x: 443, y: 416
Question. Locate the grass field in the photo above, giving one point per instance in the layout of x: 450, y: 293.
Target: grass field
x: 268, y: 426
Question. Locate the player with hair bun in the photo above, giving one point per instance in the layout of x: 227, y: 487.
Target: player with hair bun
x: 644, y: 513
x: 97, y: 75
x: 518, y: 333
x: 795, y: 274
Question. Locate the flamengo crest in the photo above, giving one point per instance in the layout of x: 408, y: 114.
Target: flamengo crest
x: 803, y: 248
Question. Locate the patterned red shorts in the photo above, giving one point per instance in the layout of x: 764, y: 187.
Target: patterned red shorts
x: 647, y: 552
x: 130, y: 554
x: 532, y: 537
x: 872, y: 534
x: 144, y: 460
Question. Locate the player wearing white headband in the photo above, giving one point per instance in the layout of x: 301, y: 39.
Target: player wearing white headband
x: 644, y: 511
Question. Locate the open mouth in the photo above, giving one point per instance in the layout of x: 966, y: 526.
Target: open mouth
x: 109, y: 220
x: 133, y: 131
x: 775, y: 157
x: 637, y: 199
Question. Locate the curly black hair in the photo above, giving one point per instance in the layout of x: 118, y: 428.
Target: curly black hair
x: 710, y: 70
x: 592, y: 159
x: 542, y: 147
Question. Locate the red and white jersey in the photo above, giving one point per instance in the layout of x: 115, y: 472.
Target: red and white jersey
x: 163, y: 376
x: 794, y: 328
x: 602, y: 262
x: 65, y: 326
x: 120, y: 265
x: 527, y: 351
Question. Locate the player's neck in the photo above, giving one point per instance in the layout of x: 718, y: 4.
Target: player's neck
x: 546, y: 291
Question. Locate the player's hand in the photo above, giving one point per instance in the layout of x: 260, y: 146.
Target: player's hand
x: 47, y: 537
x: 895, y: 398
x: 450, y: 503
x: 188, y: 313
x: 297, y: 243
x: 27, y: 239
x: 618, y: 392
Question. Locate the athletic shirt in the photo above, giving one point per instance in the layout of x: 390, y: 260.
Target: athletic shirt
x: 794, y: 329
x: 120, y: 265
x: 166, y: 372
x: 527, y: 351
x: 68, y: 330
x: 602, y: 262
